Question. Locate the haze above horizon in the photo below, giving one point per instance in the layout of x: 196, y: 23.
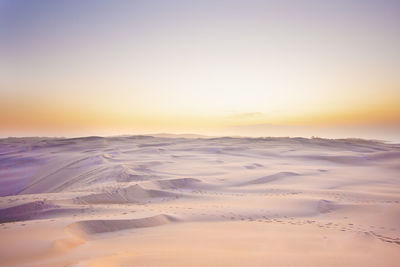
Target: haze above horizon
x: 251, y: 68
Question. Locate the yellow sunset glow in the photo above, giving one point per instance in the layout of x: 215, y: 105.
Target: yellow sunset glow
x: 167, y: 71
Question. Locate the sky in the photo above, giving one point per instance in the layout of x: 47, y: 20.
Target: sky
x: 253, y: 68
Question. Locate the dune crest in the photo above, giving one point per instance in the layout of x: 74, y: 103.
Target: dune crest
x: 130, y: 194
x: 90, y: 227
x: 271, y: 178
x: 179, y: 183
x: 25, y: 211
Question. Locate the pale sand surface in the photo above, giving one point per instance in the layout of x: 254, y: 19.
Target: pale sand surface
x: 162, y: 201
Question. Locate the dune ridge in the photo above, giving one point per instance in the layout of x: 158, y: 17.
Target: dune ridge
x: 25, y: 211
x: 90, y: 227
x: 130, y: 194
x: 271, y: 178
x: 179, y: 183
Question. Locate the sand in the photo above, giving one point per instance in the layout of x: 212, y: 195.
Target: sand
x: 178, y: 201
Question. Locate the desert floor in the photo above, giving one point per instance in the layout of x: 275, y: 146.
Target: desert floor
x: 157, y: 201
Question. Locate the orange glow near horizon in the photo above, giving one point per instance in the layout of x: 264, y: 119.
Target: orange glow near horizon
x: 146, y: 68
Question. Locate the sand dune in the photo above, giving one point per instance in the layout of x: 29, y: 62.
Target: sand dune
x: 84, y: 228
x: 131, y: 194
x: 271, y: 178
x: 37, y: 210
x: 25, y: 211
x: 179, y: 183
x: 115, y: 201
